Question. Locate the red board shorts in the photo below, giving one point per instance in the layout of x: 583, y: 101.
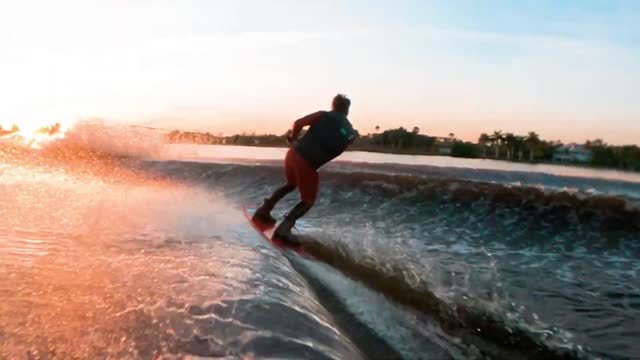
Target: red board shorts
x: 300, y: 174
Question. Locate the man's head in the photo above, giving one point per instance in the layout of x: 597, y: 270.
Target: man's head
x: 341, y: 103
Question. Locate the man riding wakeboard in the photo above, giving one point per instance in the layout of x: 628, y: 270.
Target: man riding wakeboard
x: 329, y: 135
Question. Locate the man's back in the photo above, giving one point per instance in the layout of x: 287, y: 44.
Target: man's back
x: 326, y: 139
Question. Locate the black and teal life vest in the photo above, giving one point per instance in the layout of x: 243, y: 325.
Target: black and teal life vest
x: 326, y: 139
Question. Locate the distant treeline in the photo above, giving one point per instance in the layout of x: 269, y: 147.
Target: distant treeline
x: 625, y: 157
x: 532, y: 148
x: 497, y: 145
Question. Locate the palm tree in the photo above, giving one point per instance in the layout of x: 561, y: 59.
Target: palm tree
x: 532, y: 141
x: 414, y: 134
x: 377, y: 128
x: 496, y: 139
x: 510, y: 142
x: 520, y: 146
x: 485, y: 141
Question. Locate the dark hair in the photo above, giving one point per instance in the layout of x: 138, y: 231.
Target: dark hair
x: 341, y: 103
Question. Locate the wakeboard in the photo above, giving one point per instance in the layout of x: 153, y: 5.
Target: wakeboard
x: 267, y: 232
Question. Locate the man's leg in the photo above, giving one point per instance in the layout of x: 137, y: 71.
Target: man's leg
x: 283, y: 231
x: 308, y: 185
x: 263, y: 213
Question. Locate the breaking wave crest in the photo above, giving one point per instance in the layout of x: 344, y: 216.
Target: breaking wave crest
x: 529, y: 205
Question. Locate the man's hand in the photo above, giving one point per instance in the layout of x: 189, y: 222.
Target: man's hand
x: 289, y: 137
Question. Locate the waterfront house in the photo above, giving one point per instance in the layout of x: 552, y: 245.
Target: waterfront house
x: 572, y: 153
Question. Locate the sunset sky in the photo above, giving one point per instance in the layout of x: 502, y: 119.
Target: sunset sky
x: 569, y: 70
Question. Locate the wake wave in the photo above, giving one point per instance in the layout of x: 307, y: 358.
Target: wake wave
x: 422, y: 207
x: 556, y: 208
x: 530, y: 206
x: 490, y: 333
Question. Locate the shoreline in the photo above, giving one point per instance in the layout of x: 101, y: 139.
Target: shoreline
x: 410, y: 153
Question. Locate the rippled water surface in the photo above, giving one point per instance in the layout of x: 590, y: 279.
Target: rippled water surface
x: 133, y: 267
x: 104, y: 256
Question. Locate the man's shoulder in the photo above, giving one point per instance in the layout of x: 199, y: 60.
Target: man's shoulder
x: 337, y: 115
x: 318, y: 115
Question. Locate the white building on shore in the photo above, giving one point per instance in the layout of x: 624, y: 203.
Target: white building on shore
x: 572, y: 153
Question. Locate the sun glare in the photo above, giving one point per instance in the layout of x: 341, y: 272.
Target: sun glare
x: 33, y: 133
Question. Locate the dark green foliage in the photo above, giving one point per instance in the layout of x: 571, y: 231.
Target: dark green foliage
x: 465, y: 150
x: 399, y: 140
x: 625, y: 157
